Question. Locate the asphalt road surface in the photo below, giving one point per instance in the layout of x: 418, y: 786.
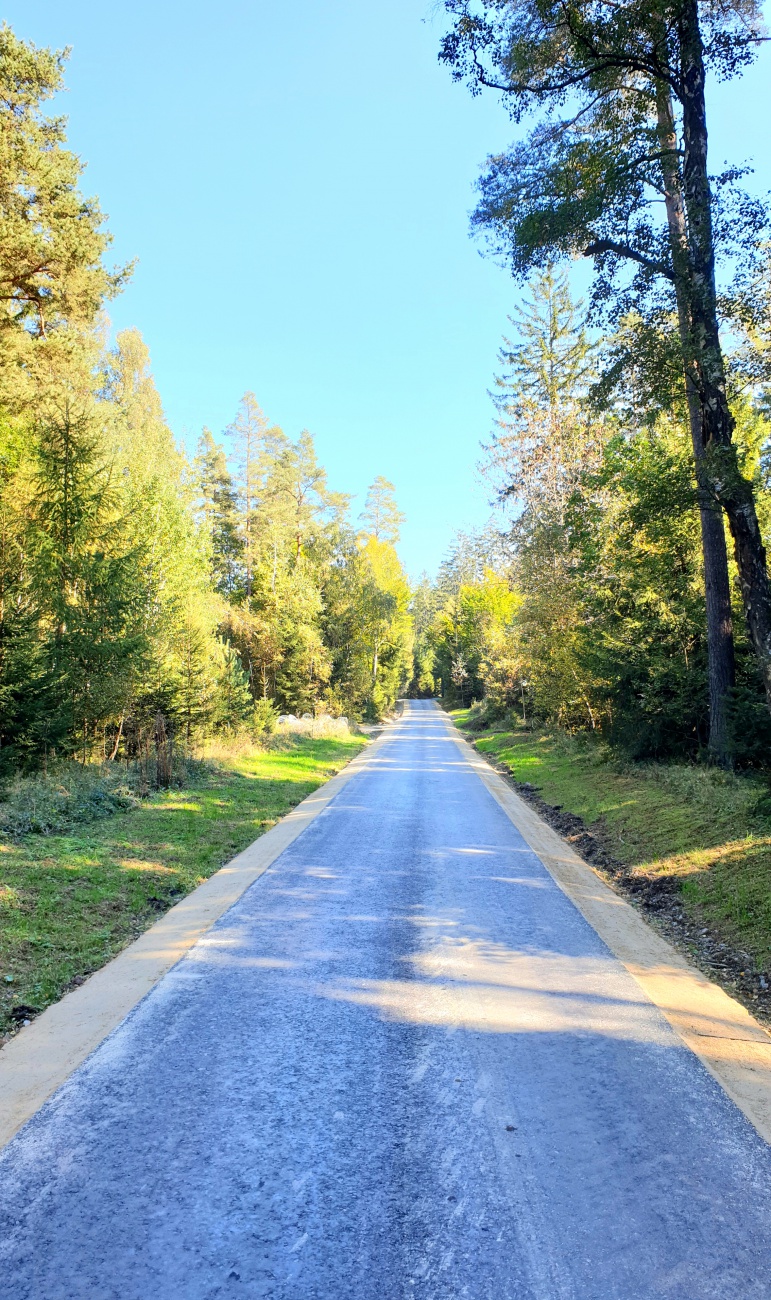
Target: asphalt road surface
x: 403, y: 1065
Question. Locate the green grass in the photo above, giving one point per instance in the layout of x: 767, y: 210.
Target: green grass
x: 69, y: 902
x: 698, y: 825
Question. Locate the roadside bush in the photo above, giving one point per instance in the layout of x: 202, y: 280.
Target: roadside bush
x: 48, y: 803
x: 484, y: 714
x: 71, y: 794
x: 265, y: 717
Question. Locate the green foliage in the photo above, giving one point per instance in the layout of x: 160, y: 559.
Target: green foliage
x: 265, y: 717
x: 51, y: 802
x: 614, y: 168
x: 590, y: 79
x: 51, y: 237
x: 636, y: 547
x: 146, y: 602
x: 218, y: 505
x: 589, y: 611
x: 381, y: 518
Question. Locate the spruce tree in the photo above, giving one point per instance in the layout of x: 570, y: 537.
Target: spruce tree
x: 248, y: 432
x: 85, y: 573
x: 218, y: 503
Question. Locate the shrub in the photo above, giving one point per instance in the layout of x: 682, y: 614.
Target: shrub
x: 484, y: 714
x: 265, y: 717
x: 48, y: 803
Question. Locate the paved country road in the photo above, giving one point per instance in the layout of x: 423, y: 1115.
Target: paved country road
x: 403, y: 1065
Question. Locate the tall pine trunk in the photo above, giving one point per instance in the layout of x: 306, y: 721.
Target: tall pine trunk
x: 720, y: 644
x: 722, y: 475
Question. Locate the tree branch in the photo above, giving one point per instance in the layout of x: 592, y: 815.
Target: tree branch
x: 623, y: 250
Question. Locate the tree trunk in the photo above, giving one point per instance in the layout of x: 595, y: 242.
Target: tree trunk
x: 723, y: 477
x: 117, y: 740
x: 720, y: 644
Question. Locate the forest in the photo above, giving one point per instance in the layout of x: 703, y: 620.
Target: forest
x: 587, y: 609
x: 627, y: 594
x: 150, y: 596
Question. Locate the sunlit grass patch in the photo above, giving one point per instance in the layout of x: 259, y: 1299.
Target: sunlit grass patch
x: 70, y: 901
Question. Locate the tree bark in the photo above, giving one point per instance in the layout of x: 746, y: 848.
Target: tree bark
x: 720, y: 644
x: 723, y: 477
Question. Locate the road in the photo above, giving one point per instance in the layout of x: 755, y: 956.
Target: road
x: 403, y: 1065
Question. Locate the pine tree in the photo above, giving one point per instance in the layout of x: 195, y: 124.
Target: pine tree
x: 618, y: 94
x: 544, y: 440
x: 52, y: 239
x: 552, y: 355
x: 248, y: 432
x: 85, y: 571
x: 381, y: 518
x: 23, y: 698
x: 218, y: 503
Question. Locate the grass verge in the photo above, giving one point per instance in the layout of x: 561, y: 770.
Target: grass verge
x: 697, y: 836
x: 71, y: 901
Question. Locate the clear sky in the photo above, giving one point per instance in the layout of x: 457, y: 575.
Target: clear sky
x: 295, y: 180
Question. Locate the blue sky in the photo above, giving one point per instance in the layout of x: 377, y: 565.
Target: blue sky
x: 295, y: 181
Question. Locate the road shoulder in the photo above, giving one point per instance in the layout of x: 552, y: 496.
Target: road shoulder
x: 43, y: 1055
x: 719, y: 1030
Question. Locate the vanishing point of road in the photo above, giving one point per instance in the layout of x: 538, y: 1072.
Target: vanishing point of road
x: 402, y: 1065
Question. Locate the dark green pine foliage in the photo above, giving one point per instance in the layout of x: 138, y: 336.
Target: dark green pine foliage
x: 22, y: 696
x: 89, y: 588
x: 218, y: 504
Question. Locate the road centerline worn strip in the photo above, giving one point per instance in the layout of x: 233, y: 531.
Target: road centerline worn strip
x: 402, y: 1064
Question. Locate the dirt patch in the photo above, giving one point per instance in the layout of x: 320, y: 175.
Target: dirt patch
x: 659, y: 898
